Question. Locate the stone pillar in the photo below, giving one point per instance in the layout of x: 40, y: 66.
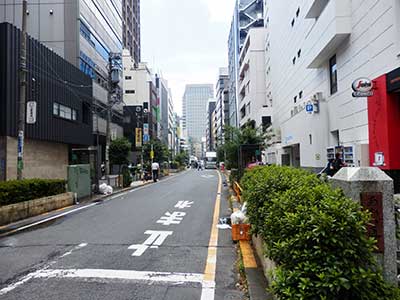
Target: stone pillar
x: 373, y: 189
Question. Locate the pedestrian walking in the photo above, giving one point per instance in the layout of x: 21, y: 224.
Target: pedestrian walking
x: 155, y: 168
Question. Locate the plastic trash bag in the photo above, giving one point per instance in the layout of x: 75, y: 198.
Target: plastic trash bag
x: 238, y: 217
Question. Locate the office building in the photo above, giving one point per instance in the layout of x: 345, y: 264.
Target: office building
x: 83, y: 32
x: 320, y: 53
x: 194, y: 105
x: 140, y: 90
x: 247, y: 14
x: 131, y: 28
x: 222, y: 105
x: 254, y: 107
x: 210, y: 131
x: 59, y: 116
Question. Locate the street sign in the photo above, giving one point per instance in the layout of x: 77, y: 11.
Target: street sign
x: 309, y: 108
x: 31, y: 112
x: 145, y: 128
x: 138, y: 137
x: 151, y: 154
x: 146, y: 138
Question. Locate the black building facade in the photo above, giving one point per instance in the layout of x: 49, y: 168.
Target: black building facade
x: 51, y: 81
x: 63, y: 97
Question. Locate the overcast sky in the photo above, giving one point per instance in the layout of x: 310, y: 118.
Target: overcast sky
x: 186, y: 40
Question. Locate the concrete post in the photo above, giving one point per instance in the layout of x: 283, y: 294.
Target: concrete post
x: 373, y: 189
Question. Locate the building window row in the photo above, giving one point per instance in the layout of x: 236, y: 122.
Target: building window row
x: 297, y: 16
x: 64, y: 112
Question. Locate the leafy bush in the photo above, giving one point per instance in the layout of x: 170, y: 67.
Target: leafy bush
x: 316, y: 235
x: 175, y: 165
x: 16, y: 191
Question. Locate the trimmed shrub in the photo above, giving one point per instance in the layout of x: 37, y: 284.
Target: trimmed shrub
x: 16, y: 191
x: 316, y: 235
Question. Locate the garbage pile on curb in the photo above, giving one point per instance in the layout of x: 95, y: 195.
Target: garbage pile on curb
x: 105, y: 189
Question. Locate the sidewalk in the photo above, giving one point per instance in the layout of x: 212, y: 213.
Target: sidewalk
x: 53, y: 215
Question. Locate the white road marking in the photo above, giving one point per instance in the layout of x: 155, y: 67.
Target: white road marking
x: 54, y: 217
x: 150, y: 277
x: 184, y: 204
x: 155, y: 239
x: 207, y: 176
x: 175, y: 218
x: 35, y: 274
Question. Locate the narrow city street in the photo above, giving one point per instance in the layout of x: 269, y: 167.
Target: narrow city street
x: 155, y: 242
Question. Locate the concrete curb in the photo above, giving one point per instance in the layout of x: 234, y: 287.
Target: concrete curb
x: 256, y: 281
x: 12, y: 228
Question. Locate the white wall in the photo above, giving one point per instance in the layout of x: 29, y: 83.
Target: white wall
x: 253, y: 55
x: 370, y: 51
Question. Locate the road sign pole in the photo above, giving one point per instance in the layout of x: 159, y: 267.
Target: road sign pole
x: 22, y: 95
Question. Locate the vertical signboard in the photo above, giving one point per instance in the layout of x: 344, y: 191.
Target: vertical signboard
x: 138, y: 137
x: 31, y: 112
x: 146, y: 135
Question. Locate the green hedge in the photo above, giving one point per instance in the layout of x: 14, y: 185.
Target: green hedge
x: 16, y: 191
x: 316, y: 235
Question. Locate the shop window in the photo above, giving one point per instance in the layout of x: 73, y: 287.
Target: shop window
x: 333, y: 75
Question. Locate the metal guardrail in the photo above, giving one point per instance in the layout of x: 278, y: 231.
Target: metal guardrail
x: 238, y: 191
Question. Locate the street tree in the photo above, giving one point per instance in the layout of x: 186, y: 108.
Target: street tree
x: 161, y: 152
x: 118, y: 152
x: 235, y: 137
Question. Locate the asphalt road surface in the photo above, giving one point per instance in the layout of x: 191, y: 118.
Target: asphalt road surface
x: 157, y: 242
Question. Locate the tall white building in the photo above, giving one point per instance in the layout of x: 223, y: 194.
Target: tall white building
x: 253, y: 104
x: 315, y: 50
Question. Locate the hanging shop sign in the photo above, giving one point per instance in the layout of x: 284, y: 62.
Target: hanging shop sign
x: 363, y: 87
x: 393, y: 81
x: 31, y: 112
x: 138, y: 134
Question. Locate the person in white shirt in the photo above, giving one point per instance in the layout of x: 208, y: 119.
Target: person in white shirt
x: 155, y: 168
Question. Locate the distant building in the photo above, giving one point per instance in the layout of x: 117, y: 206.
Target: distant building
x: 62, y: 120
x: 140, y: 90
x: 253, y: 104
x: 210, y: 131
x: 247, y: 14
x: 222, y: 105
x: 194, y: 114
x: 131, y: 28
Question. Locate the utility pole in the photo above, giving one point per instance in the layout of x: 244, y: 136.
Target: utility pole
x: 22, y: 91
x: 113, y: 81
x: 108, y: 131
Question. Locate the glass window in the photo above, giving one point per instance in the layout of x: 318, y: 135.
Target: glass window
x: 56, y: 108
x: 74, y: 115
x: 333, y: 75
